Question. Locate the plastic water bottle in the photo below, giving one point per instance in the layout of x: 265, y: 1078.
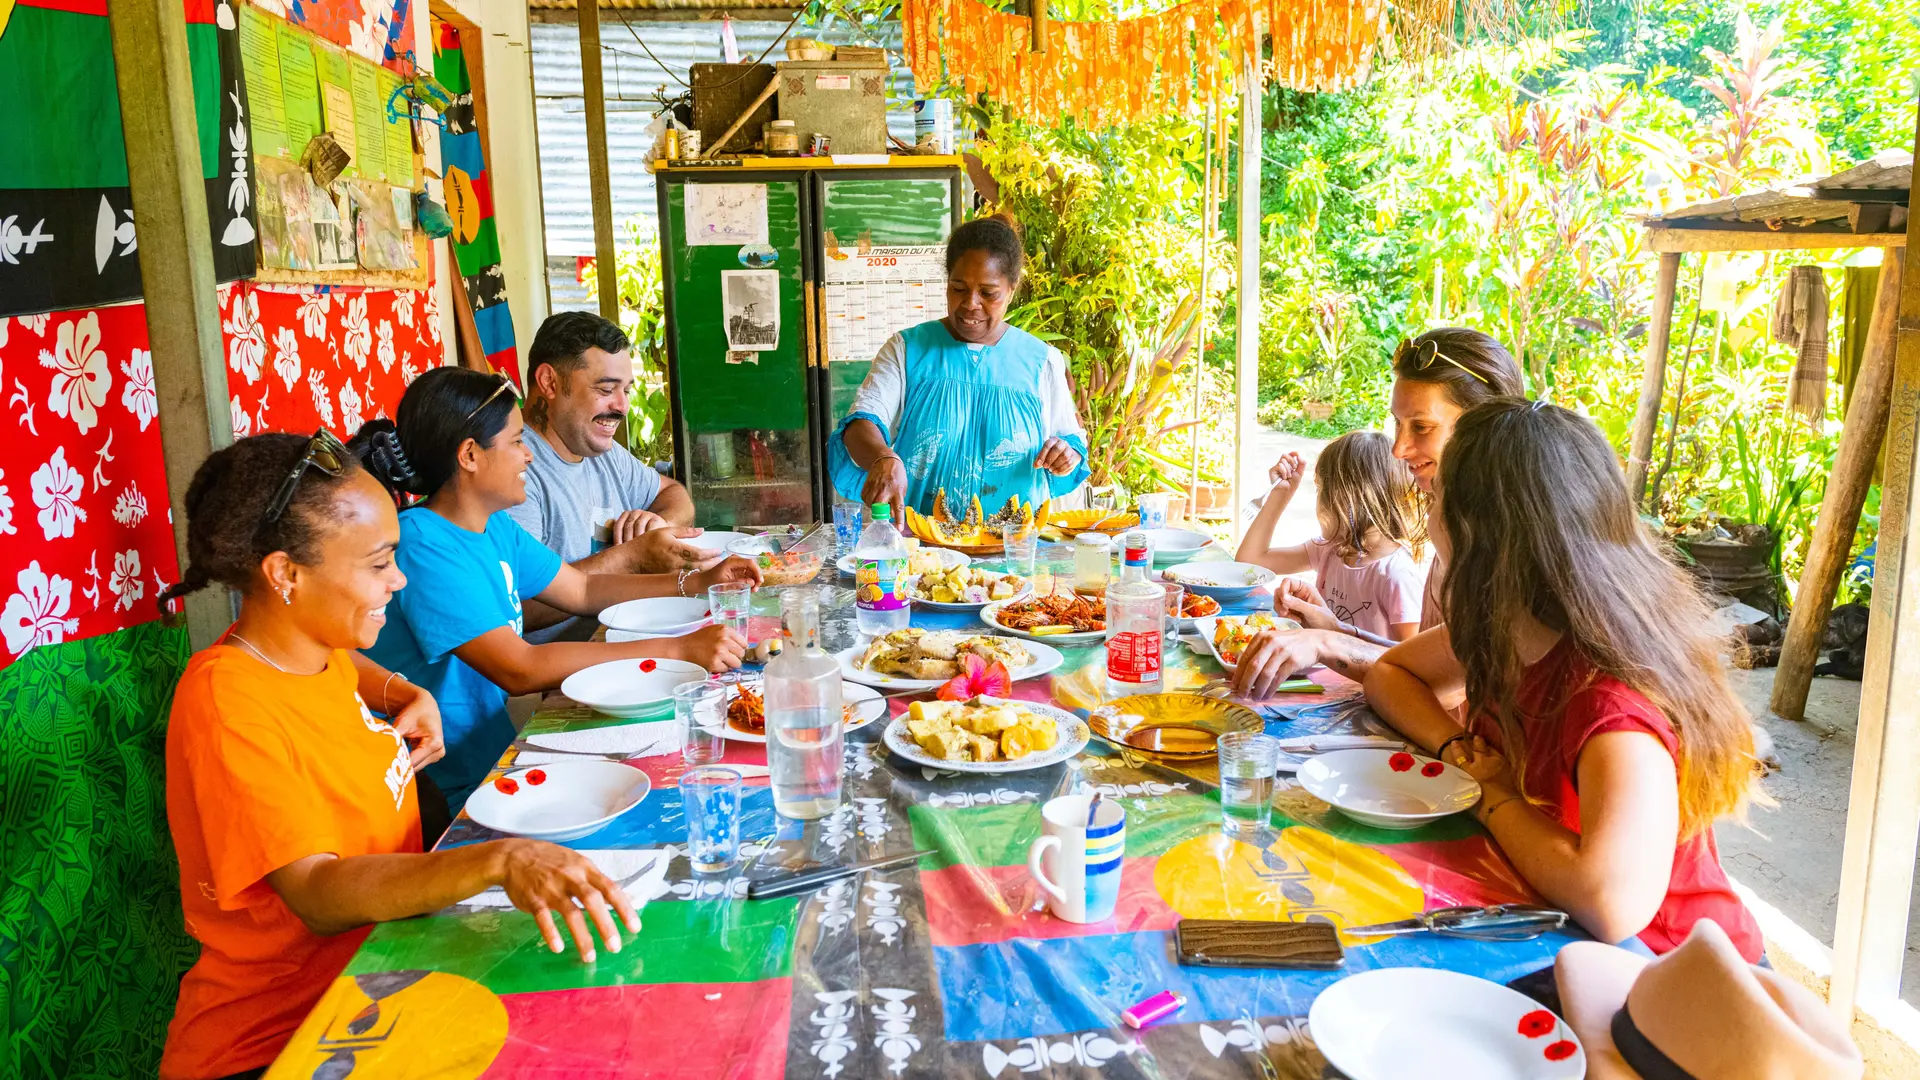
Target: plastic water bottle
x: 804, y: 718
x: 880, y: 562
x: 1136, y: 624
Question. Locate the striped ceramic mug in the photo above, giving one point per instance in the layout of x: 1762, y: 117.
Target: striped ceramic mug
x: 1078, y: 864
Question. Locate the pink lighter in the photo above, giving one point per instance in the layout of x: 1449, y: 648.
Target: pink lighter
x: 1158, y: 1007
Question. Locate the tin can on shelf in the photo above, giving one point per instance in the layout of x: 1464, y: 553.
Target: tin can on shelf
x: 689, y: 145
x: 819, y: 145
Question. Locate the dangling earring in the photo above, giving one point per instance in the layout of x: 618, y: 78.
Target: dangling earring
x: 286, y: 595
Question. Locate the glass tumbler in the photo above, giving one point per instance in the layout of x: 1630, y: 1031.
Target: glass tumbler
x: 1248, y: 760
x: 849, y: 518
x: 700, y: 708
x: 1022, y: 540
x: 711, y: 798
x: 731, y: 605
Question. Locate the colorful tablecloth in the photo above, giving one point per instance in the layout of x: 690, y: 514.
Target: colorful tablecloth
x: 948, y: 968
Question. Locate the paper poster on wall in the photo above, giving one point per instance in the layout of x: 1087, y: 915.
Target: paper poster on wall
x: 872, y: 295
x: 726, y: 214
x: 260, y: 61
x: 750, y: 308
x: 300, y: 90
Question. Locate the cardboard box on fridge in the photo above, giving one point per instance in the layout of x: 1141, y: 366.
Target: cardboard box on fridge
x: 847, y: 102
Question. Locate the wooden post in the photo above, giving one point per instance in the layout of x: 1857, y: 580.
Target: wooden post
x: 1653, y: 380
x: 155, y: 80
x: 1883, y: 808
x: 1246, y: 329
x: 1847, y: 485
x: 599, y: 179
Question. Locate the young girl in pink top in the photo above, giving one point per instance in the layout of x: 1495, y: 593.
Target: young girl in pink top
x: 1368, y: 580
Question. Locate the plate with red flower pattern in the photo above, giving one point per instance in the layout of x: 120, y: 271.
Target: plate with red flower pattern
x: 564, y: 800
x: 631, y: 688
x: 1389, y: 789
x: 1436, y: 1024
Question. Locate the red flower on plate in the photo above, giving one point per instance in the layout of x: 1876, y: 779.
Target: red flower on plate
x: 1400, y: 762
x: 536, y: 777
x: 1560, y: 1051
x: 1432, y: 768
x: 647, y: 666
x: 979, y: 678
x: 1537, y: 1023
x: 507, y: 785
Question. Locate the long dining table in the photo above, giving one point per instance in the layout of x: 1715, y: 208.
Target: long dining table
x: 945, y: 967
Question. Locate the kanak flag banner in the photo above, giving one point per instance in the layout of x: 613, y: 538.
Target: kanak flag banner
x: 67, y: 237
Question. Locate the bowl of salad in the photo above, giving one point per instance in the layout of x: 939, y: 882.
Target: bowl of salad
x: 1227, y: 635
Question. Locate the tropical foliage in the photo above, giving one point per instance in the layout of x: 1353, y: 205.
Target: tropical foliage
x: 643, y: 317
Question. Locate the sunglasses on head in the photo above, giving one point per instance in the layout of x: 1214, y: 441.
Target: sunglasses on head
x: 506, y: 386
x: 1428, y: 353
x: 324, y: 452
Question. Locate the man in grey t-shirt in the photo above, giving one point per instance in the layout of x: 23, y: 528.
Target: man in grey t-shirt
x: 588, y: 498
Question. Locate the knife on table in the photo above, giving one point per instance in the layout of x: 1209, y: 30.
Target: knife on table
x: 822, y: 876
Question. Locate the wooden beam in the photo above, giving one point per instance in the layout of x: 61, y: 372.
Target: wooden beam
x: 1665, y: 240
x: 1847, y: 484
x: 599, y: 179
x: 1246, y: 323
x: 1883, y: 809
x: 1653, y: 376
x: 155, y: 81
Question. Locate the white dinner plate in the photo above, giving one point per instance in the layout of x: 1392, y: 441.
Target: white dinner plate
x: 867, y: 703
x: 1170, y: 546
x: 1394, y: 1023
x: 1389, y: 789
x: 1045, y: 659
x: 1070, y: 733
x: 1204, y: 627
x: 1224, y: 581
x: 949, y: 558
x: 991, y: 616
x: 572, y: 799
x: 620, y: 688
x: 963, y: 605
x: 669, y: 616
x: 715, y: 541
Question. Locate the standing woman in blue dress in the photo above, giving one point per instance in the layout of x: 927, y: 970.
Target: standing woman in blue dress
x: 966, y: 403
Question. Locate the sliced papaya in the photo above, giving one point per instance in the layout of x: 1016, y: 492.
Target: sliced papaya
x: 940, y: 510
x: 1040, y: 515
x: 975, y: 519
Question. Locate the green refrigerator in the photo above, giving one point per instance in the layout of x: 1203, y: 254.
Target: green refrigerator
x: 781, y: 282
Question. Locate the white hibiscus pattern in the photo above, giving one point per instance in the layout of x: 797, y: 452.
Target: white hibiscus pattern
x: 124, y: 583
x: 322, y: 398
x: 137, y: 393
x: 130, y: 508
x: 432, y: 314
x: 357, y: 336
x: 314, y: 309
x: 242, y: 423
x: 37, y: 613
x: 57, y: 487
x: 80, y: 372
x: 385, y: 352
x: 247, y: 342
x: 286, y: 355
x: 349, y: 409
x: 6, y: 507
x: 402, y: 308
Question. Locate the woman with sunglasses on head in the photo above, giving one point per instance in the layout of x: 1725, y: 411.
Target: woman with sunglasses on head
x: 456, y: 626
x: 293, y: 808
x: 1602, y: 730
x: 1436, y: 377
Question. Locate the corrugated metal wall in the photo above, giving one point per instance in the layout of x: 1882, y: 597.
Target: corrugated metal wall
x: 632, y: 81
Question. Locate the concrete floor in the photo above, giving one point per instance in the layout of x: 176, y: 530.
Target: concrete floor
x: 1789, y: 854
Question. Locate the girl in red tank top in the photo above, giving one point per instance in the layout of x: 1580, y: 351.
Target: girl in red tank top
x: 1602, y: 729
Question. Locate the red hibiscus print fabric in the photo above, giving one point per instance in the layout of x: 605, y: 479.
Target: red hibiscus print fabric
x: 85, y: 540
x: 1400, y: 762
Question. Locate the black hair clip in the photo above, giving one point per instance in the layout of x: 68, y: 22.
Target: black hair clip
x: 386, y: 460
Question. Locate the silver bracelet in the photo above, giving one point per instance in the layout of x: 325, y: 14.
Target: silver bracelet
x: 681, y: 585
x: 386, y: 695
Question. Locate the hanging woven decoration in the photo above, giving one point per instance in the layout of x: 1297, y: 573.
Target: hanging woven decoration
x: 1119, y: 72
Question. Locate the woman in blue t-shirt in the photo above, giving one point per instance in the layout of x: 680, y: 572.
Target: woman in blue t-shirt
x: 455, y: 627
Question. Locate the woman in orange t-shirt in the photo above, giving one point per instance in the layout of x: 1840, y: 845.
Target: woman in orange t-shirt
x: 292, y: 806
